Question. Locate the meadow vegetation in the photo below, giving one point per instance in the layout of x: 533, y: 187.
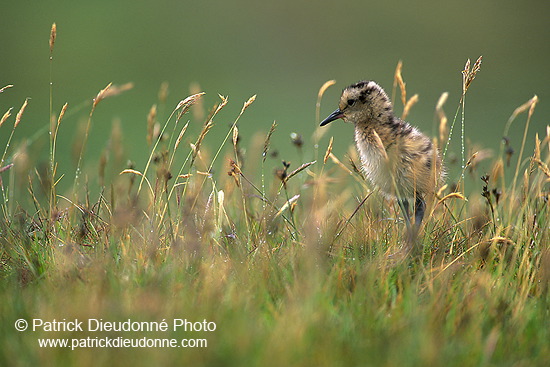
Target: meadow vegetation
x: 293, y: 264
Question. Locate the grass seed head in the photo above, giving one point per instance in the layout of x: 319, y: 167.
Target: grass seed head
x: 442, y: 117
x: 468, y: 75
x: 53, y: 35
x: 163, y: 92
x: 111, y: 91
x: 180, y: 136
x: 529, y: 105
x: 234, y: 171
x: 411, y: 102
x: 543, y: 167
x: 151, y: 119
x: 61, y: 114
x: 188, y: 102
x: 398, y: 80
x: 235, y: 136
x: 101, y: 95
x: 268, y: 139
x: 6, y: 87
x: 206, y: 128
x: 248, y: 103
x: 299, y: 169
x: 6, y: 115
x: 20, y: 113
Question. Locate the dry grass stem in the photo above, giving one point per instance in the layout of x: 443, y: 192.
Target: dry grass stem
x: 6, y: 87
x: 137, y: 173
x: 319, y: 133
x: 380, y: 145
x: 411, y: 102
x: 329, y: 150
x: 452, y: 195
x: 441, y: 190
x: 206, y: 174
x: 298, y: 170
x: 6, y: 167
x: 336, y: 161
x: 398, y: 81
x: 530, y: 104
x: 322, y: 91
x: 289, y: 204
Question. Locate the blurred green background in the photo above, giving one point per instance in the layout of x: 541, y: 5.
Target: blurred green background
x: 283, y: 51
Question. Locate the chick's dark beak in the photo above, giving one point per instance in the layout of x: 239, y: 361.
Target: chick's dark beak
x: 333, y: 116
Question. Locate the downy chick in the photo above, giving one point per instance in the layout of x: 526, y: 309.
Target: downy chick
x: 396, y: 157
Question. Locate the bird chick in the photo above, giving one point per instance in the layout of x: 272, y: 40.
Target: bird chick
x: 396, y: 157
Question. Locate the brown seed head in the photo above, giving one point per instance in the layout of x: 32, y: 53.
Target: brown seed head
x: 53, y: 35
x: 6, y: 115
x: 6, y: 87
x: 20, y: 113
x: 468, y: 75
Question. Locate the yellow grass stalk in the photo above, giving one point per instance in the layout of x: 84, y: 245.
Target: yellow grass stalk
x: 329, y: 150
x: 531, y: 104
x: 318, y: 134
x: 322, y: 91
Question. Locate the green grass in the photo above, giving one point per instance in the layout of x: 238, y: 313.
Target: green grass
x: 289, y: 280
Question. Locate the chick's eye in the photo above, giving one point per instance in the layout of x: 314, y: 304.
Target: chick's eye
x: 351, y: 102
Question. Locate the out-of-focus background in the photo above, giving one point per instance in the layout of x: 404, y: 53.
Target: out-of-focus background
x: 283, y: 51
